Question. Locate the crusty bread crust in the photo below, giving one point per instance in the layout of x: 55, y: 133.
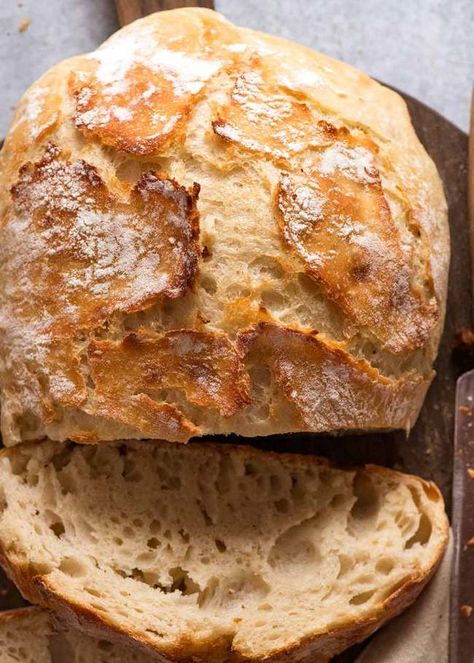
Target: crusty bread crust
x: 39, y: 588
x: 194, y: 181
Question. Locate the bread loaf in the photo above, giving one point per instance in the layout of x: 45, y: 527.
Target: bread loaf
x: 212, y: 553
x: 29, y: 636
x: 206, y: 229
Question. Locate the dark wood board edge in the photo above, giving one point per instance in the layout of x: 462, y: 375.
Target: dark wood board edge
x: 130, y: 10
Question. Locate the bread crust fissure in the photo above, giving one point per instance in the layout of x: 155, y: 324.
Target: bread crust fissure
x: 202, y: 179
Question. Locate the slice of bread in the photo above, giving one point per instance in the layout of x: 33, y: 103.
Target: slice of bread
x: 29, y: 636
x: 215, y: 553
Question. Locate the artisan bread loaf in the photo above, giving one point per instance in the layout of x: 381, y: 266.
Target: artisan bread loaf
x: 30, y: 636
x: 214, y: 553
x: 206, y: 229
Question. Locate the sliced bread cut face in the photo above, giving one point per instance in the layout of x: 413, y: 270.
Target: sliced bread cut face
x: 29, y: 636
x: 215, y: 553
x: 24, y: 636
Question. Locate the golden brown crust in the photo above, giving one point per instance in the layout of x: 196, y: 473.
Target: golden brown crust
x: 335, y: 216
x: 256, y: 121
x: 203, y: 365
x: 74, y: 214
x: 90, y: 255
x: 260, y: 118
x: 328, y: 386
x: 136, y: 96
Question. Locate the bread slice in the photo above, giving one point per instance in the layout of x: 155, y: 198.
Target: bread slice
x: 215, y: 553
x: 29, y: 635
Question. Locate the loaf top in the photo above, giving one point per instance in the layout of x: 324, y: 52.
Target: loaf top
x: 208, y: 229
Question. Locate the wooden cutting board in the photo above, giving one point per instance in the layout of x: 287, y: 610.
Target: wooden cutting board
x: 428, y: 449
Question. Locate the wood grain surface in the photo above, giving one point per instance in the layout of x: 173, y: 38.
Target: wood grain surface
x: 428, y: 450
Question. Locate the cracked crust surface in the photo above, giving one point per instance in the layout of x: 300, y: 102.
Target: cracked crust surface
x: 194, y: 180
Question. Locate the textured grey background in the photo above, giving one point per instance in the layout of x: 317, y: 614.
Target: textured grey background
x: 424, y: 47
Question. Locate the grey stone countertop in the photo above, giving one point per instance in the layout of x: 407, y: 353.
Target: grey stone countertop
x: 423, y: 47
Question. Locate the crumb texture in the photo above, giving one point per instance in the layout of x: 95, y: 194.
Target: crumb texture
x: 193, y: 180
x: 29, y: 636
x: 216, y: 552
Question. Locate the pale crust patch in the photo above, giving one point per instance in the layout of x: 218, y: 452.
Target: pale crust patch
x: 331, y: 389
x: 203, y: 365
x: 85, y: 255
x: 335, y: 216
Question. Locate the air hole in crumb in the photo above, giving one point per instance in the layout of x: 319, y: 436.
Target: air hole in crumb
x: 206, y: 252
x: 309, y: 285
x: 293, y: 550
x: 58, y: 528
x: 18, y: 463
x: 273, y: 300
x: 385, y: 565
x: 237, y: 291
x: 93, y: 592
x: 337, y: 501
x: 297, y: 489
x: 267, y: 267
x: 275, y: 483
x: 33, y: 479
x: 105, y: 645
x: 182, y: 581
x: 282, y: 506
x: 366, y: 505
x: 73, y: 567
x: 153, y: 543
x: 220, y: 545
x: 431, y: 492
x: 209, y: 284
x: 345, y: 565
x: 205, y: 514
x: 363, y: 597
x: 184, y: 536
x: 266, y: 607
x: 422, y: 534
x: 250, y: 469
